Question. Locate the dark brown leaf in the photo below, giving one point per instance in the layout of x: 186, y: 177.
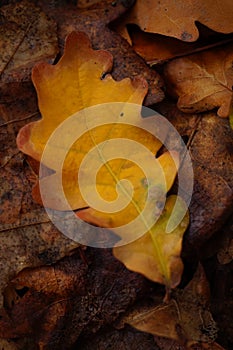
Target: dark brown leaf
x: 210, y: 142
x: 27, y: 236
x: 44, y: 302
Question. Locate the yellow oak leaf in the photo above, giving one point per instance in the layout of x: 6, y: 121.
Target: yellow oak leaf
x: 157, y: 253
x: 102, y: 154
x: 77, y: 81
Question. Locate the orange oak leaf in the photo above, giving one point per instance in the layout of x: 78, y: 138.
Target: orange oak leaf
x: 202, y: 81
x: 91, y: 126
x: 178, y: 18
x: 67, y: 87
x: 157, y: 48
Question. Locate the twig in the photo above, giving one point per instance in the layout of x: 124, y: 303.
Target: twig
x: 19, y: 120
x: 16, y: 49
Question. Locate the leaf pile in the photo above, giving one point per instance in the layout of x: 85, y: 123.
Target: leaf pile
x: 212, y: 69
x: 79, y: 60
x: 55, y: 294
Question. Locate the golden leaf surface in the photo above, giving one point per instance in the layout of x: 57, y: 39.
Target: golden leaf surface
x: 77, y: 81
x: 91, y: 126
x: 157, y: 253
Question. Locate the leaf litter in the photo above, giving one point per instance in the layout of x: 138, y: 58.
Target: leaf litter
x: 223, y: 178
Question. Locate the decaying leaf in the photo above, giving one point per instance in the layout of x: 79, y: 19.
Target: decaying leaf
x: 178, y: 19
x: 203, y: 81
x: 225, y: 254
x: 165, y: 343
x: 210, y: 143
x: 185, y: 318
x: 27, y: 36
x: 6, y: 345
x: 231, y: 116
x: 125, y: 339
x: 86, y: 3
x: 27, y: 236
x: 43, y: 302
x: 95, y: 22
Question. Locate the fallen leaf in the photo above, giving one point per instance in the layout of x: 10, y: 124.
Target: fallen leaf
x: 6, y: 345
x: 157, y: 253
x: 156, y: 48
x: 86, y: 3
x: 225, y: 254
x: 27, y: 235
x: 41, y: 303
x: 202, y: 81
x: 210, y: 143
x: 51, y: 81
x: 165, y: 343
x: 27, y: 36
x: 185, y: 318
x: 55, y: 86
x: 95, y: 22
x: 127, y: 338
x: 231, y: 116
x: 178, y: 19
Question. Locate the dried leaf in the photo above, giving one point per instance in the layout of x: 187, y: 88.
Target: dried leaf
x: 86, y: 3
x: 157, y: 49
x: 210, y: 143
x: 27, y: 235
x: 42, y: 303
x: 124, y: 339
x: 185, y: 318
x: 225, y: 254
x: 203, y: 81
x: 27, y: 36
x: 178, y: 19
x: 165, y: 343
x: 8, y: 345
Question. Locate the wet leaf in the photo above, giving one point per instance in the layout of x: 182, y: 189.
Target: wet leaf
x: 203, y: 81
x: 178, y: 19
x: 27, y: 36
